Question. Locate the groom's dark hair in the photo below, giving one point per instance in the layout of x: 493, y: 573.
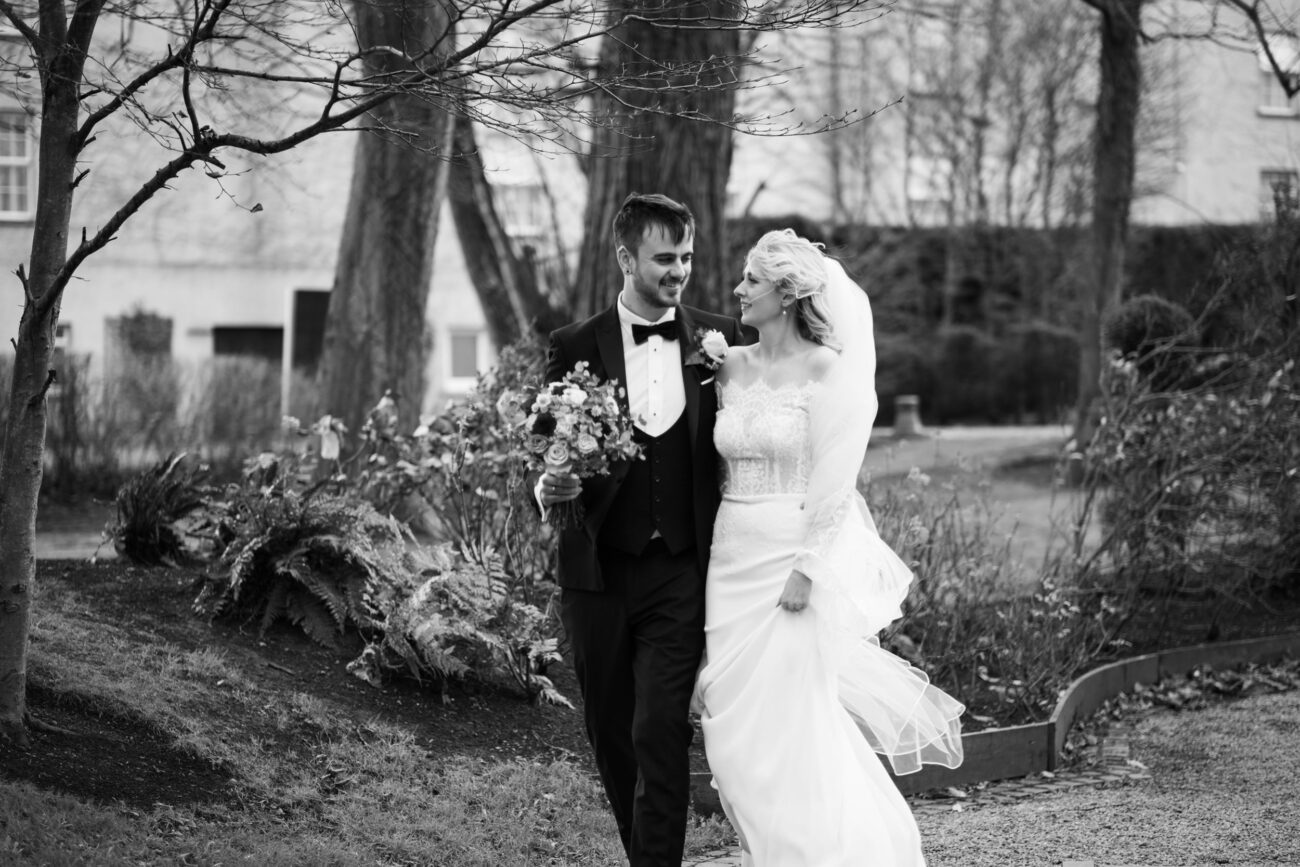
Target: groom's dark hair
x: 641, y: 211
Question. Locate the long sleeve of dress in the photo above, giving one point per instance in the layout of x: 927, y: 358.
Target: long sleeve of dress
x: 842, y: 550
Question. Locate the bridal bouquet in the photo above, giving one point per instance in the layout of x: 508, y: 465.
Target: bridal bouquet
x: 575, y: 425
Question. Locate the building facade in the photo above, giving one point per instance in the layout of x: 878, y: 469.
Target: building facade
x: 958, y: 112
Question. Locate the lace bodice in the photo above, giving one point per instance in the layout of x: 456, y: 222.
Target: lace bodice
x: 761, y: 435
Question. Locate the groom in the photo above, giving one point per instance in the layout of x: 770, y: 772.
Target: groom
x: 632, y: 576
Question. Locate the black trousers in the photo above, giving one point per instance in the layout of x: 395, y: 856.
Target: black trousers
x: 636, y: 650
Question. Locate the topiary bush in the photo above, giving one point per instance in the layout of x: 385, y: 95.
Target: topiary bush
x: 1158, y: 336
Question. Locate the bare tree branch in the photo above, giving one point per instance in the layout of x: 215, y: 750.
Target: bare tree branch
x: 20, y: 24
x: 200, y: 32
x: 1288, y: 78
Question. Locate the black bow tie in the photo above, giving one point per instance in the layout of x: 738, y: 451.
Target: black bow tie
x: 666, y: 329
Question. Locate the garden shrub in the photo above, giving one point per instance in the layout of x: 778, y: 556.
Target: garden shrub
x: 1200, y: 484
x: 1196, y: 457
x: 1248, y: 302
x: 139, y: 409
x: 967, y: 621
x: 317, y: 555
x: 459, y: 619
x: 232, y: 409
x: 302, y: 538
x: 1043, y: 375
x: 902, y: 367
x: 465, y: 475
x: 1159, y: 336
x: 84, y: 448
x: 152, y: 508
x: 969, y: 367
x: 307, y: 556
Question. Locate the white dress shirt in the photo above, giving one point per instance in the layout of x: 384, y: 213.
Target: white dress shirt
x: 655, y: 393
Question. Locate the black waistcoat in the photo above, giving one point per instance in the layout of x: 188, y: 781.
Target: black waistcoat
x: 656, y: 494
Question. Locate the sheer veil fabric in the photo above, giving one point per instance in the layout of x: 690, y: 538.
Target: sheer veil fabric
x: 861, y: 581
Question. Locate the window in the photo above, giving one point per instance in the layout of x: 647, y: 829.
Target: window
x: 310, y: 310
x: 255, y: 341
x: 1279, y: 193
x: 464, y: 354
x: 15, y: 166
x: 1273, y: 100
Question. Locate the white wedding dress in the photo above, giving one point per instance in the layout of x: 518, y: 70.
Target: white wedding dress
x: 795, y: 706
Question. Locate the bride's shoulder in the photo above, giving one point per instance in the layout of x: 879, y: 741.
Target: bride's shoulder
x: 818, y: 361
x: 734, y: 364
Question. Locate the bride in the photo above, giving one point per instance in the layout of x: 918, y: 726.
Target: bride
x: 797, y: 696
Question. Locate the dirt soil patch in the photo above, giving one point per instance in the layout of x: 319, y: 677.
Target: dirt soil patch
x: 115, y: 758
x: 105, y: 757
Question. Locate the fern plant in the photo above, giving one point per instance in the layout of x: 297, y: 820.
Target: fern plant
x: 459, y: 620
x: 152, y: 508
x: 299, y: 540
x: 307, y: 558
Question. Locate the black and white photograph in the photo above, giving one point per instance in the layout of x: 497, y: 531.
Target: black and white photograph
x: 649, y: 433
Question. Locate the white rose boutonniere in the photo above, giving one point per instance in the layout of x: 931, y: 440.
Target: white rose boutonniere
x: 710, y: 349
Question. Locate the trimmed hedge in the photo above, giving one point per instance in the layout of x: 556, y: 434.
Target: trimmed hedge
x: 980, y: 321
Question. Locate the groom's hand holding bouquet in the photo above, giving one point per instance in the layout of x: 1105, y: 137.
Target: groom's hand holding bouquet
x: 572, y: 429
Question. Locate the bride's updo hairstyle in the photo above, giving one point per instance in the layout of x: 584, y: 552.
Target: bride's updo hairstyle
x: 797, y: 268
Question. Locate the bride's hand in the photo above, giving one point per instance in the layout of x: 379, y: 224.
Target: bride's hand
x: 798, y: 587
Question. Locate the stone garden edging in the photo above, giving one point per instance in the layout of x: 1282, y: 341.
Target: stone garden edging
x: 1019, y: 751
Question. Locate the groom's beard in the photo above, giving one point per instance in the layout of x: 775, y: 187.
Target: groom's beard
x: 665, y: 293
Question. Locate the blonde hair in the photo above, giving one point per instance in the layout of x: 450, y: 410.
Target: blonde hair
x: 797, y: 268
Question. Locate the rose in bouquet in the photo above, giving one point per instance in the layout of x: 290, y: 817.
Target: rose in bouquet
x: 576, y: 425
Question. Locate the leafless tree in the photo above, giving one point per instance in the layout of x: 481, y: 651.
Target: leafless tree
x: 209, y: 79
x: 1114, y: 163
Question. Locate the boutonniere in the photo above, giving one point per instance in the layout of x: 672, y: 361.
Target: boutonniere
x: 710, y: 349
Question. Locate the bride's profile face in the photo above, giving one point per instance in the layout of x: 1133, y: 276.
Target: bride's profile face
x: 759, y: 299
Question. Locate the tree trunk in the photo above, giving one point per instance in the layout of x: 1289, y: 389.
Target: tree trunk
x: 1118, y: 102
x: 642, y: 147
x: 375, y: 331
x: 506, y: 283
x: 24, y: 436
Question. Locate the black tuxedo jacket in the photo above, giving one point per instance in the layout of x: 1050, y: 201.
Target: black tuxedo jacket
x: 599, y: 342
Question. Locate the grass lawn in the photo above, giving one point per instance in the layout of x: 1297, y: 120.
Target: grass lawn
x: 207, y: 744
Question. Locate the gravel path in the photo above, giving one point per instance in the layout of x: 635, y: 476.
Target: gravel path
x: 1224, y: 789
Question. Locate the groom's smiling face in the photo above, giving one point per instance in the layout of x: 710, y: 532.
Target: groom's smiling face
x: 659, y: 269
